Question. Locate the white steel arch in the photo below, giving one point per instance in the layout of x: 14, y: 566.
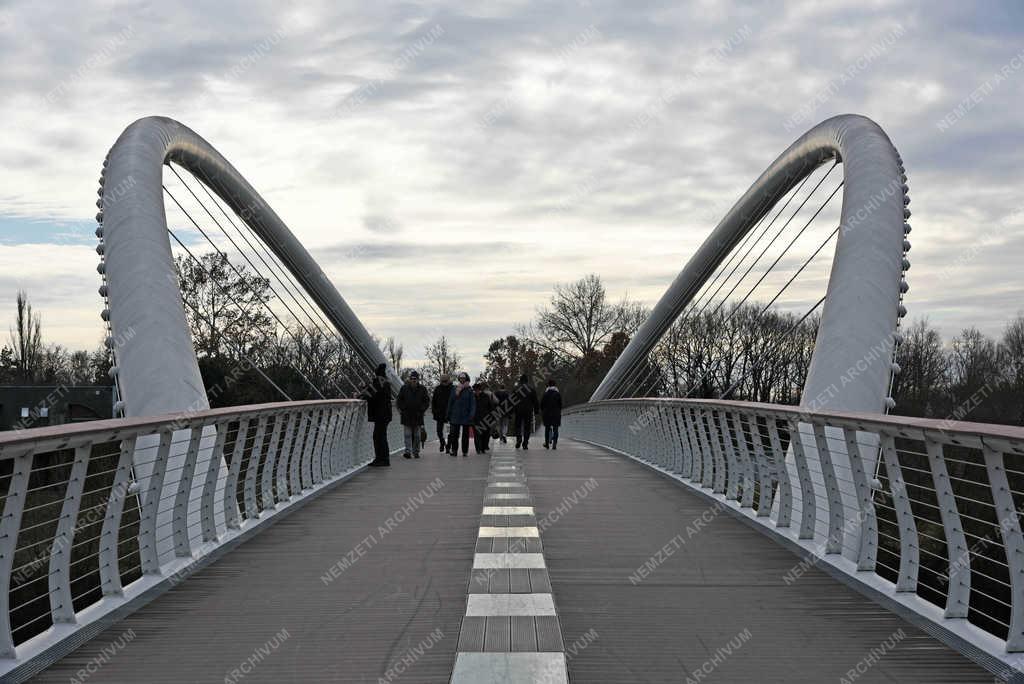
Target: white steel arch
x: 157, y: 371
x: 851, y: 364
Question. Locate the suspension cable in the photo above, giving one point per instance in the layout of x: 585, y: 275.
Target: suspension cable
x: 633, y: 372
x: 251, y: 264
x: 735, y: 308
x: 265, y: 304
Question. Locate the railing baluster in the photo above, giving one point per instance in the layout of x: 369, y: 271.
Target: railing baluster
x: 251, y: 471
x: 267, y: 482
x: 334, y: 453
x: 706, y: 470
x: 284, y: 460
x: 716, y: 450
x: 732, y: 475
x: 1013, y: 543
x: 746, y: 462
x: 10, y: 526
x: 110, y: 570
x: 836, y: 515
x: 958, y: 592
x: 207, y: 513
x: 909, y: 550
x: 868, y: 545
x: 295, y: 460
x: 61, y: 601
x: 182, y: 544
x: 778, y: 466
x: 807, y: 498
x: 151, y: 505
x: 231, y: 512
x: 318, y: 451
x: 764, y: 469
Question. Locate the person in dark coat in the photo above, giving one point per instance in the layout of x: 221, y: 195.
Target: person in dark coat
x: 378, y: 409
x: 461, y: 412
x: 551, y: 414
x: 483, y: 418
x: 439, y: 407
x: 524, y: 400
x: 412, y: 403
x: 501, y: 396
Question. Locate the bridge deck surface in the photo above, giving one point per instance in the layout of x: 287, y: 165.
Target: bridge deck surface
x: 405, y: 588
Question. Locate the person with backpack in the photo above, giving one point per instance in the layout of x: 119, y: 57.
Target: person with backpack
x: 461, y: 413
x: 412, y: 403
x: 525, y: 404
x: 501, y: 396
x: 551, y: 414
x: 439, y: 407
x: 377, y: 396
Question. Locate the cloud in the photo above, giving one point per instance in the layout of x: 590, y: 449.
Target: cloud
x: 507, y: 149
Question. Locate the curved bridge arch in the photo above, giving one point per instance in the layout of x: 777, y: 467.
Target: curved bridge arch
x: 862, y: 301
x: 158, y: 372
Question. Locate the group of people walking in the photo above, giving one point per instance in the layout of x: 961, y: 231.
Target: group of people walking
x: 465, y: 409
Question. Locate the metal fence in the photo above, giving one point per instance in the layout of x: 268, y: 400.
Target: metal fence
x: 96, y: 514
x: 924, y: 512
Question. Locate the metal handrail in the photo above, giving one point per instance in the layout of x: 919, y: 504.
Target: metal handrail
x: 857, y: 494
x: 204, y: 486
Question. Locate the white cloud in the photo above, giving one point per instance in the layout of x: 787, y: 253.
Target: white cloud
x: 412, y: 164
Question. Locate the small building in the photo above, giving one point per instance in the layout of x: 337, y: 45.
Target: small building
x: 30, y: 406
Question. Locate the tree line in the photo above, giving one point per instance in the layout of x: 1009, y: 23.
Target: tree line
x: 26, y: 359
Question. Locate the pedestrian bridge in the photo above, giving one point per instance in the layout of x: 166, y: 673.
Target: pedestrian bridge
x: 669, y: 538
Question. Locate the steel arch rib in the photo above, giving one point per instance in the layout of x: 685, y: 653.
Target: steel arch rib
x: 157, y: 370
x: 855, y: 339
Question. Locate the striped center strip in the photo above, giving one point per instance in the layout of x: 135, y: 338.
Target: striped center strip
x: 511, y: 631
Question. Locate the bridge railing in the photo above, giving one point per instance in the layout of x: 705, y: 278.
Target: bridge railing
x: 920, y: 514
x: 86, y: 531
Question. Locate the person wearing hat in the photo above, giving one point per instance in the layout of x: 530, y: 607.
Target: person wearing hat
x: 461, y: 412
x: 412, y: 403
x: 377, y: 396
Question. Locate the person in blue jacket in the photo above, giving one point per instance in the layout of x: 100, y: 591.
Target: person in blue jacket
x: 461, y: 412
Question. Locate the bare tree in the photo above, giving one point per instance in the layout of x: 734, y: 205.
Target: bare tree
x: 442, y: 359
x: 27, y: 340
x: 580, y: 320
x: 394, y: 352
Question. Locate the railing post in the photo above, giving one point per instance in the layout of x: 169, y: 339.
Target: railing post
x: 317, y: 461
x: 909, y: 552
x: 747, y: 500
x: 284, y: 460
x: 785, y: 517
x: 14, y: 505
x: 764, y: 471
x: 110, y: 568
x: 685, y: 450
x: 252, y: 470
x: 732, y: 475
x: 807, y: 498
x: 958, y: 592
x: 706, y: 469
x: 868, y: 544
x: 295, y: 459
x: 836, y: 516
x: 61, y: 601
x: 182, y: 544
x: 716, y: 450
x: 1013, y: 543
x: 207, y: 506
x: 150, y: 505
x: 231, y: 512
x: 267, y: 482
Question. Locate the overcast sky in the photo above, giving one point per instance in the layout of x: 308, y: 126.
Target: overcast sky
x: 470, y: 155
